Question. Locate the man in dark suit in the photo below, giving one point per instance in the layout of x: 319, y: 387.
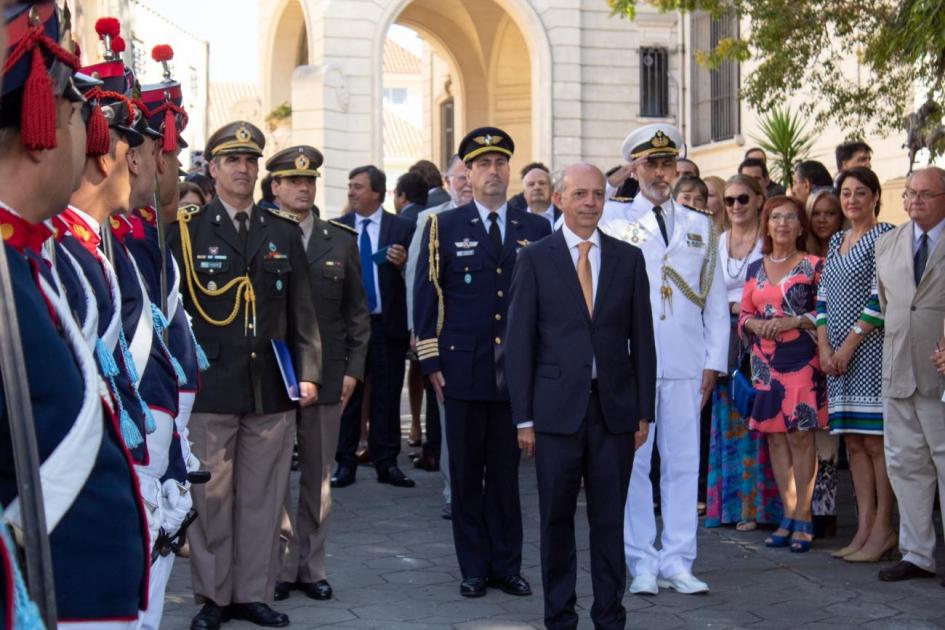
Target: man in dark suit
x: 386, y: 296
x: 245, y: 283
x: 410, y: 195
x: 344, y: 327
x: 582, y: 373
x: 536, y: 181
x: 466, y: 260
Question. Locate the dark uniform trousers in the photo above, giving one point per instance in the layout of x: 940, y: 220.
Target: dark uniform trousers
x: 242, y: 414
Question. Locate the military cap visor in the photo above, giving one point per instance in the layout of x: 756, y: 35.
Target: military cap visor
x: 299, y: 161
x: 653, y: 141
x: 236, y: 138
x: 485, y: 140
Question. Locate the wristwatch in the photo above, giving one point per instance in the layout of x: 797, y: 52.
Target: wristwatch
x: 858, y: 330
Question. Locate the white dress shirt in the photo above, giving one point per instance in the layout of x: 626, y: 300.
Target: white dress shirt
x: 934, y: 235
x: 484, y: 213
x: 374, y: 233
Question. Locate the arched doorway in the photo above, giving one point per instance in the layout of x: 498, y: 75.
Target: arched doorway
x: 494, y: 73
x: 289, y: 50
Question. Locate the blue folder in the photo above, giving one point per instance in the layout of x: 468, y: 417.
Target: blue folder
x: 284, y: 359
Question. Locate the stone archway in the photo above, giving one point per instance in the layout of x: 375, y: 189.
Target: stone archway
x: 502, y: 59
x: 288, y: 49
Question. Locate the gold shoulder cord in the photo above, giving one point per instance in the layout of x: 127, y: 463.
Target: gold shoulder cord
x: 706, y: 277
x: 434, y: 271
x: 242, y: 284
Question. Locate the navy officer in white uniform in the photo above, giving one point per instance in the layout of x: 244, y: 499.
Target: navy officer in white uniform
x: 690, y: 321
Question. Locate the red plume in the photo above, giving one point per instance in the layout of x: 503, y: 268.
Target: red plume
x: 107, y: 26
x: 118, y: 45
x: 162, y: 52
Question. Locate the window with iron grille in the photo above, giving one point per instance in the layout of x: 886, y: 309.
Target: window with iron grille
x: 654, y: 83
x: 716, y: 111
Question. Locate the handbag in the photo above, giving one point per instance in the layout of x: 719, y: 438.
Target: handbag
x: 741, y: 391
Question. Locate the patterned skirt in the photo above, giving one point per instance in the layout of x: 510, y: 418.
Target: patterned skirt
x: 741, y: 485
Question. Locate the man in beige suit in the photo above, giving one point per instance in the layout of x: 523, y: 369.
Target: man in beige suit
x: 910, y: 271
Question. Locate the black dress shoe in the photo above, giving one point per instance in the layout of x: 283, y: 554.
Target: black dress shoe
x: 512, y: 585
x: 315, y: 590
x: 210, y: 617
x: 259, y: 614
x: 427, y: 463
x: 343, y: 477
x: 395, y: 477
x: 903, y: 570
x: 473, y: 587
x: 282, y: 591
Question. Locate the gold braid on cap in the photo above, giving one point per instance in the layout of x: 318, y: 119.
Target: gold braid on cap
x: 242, y: 284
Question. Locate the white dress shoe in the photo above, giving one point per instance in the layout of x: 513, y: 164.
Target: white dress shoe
x: 684, y: 582
x: 644, y: 584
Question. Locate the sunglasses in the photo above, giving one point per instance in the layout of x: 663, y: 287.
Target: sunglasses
x: 742, y: 199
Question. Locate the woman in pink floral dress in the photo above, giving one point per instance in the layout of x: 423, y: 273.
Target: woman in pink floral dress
x: 778, y: 318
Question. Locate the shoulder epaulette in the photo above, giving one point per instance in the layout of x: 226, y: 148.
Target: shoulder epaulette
x: 186, y: 211
x: 346, y: 228
x: 621, y: 199
x: 706, y: 212
x: 282, y: 214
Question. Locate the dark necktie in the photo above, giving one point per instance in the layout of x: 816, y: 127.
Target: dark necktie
x: 662, y: 223
x: 921, y: 257
x: 243, y: 218
x: 367, y: 266
x: 494, y: 232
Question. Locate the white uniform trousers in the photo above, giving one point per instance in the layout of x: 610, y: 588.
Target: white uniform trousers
x: 676, y: 432
x: 915, y: 459
x: 150, y: 619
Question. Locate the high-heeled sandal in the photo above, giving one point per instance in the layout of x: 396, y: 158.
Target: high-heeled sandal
x: 802, y: 527
x: 775, y: 540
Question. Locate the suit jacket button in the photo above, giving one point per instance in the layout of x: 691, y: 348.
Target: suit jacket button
x: 499, y: 271
x: 498, y: 340
x: 252, y: 355
x: 498, y: 316
x: 500, y: 294
x: 912, y: 308
x: 452, y: 347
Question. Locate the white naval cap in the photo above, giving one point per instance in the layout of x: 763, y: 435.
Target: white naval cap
x: 658, y: 140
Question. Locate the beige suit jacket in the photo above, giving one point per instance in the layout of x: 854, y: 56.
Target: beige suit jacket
x: 914, y: 315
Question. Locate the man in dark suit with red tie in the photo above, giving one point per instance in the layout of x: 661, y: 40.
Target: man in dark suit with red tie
x: 581, y: 366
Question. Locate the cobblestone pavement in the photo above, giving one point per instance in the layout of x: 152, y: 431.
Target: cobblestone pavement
x: 392, y: 566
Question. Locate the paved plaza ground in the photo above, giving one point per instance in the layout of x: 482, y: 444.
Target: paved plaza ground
x: 392, y: 566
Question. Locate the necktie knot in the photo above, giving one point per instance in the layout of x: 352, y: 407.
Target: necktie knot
x: 584, y: 247
x: 365, y: 223
x: 658, y: 210
x: 495, y: 233
x: 242, y: 216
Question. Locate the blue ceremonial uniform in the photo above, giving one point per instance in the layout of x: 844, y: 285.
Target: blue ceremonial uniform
x: 98, y: 536
x: 468, y: 288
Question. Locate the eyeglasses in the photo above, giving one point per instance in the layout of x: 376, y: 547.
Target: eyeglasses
x: 742, y: 199
x: 784, y: 218
x: 924, y: 195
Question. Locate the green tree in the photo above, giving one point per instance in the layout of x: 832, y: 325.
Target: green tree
x: 801, y: 46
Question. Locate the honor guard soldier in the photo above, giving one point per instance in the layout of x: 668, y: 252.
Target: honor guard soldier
x: 691, y: 324
x: 246, y: 285
x: 462, y: 281
x: 344, y: 327
x: 96, y: 524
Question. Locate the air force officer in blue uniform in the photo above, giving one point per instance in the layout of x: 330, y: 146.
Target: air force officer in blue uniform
x: 582, y: 372
x: 461, y: 297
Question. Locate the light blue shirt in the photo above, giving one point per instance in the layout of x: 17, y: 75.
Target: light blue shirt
x: 484, y: 213
x: 934, y: 235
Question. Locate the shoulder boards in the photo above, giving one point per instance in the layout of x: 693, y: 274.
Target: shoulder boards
x: 706, y: 212
x: 282, y: 214
x: 621, y: 199
x: 187, y: 211
x: 346, y: 228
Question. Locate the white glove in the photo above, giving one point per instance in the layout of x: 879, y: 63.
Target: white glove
x: 153, y: 503
x: 175, y: 503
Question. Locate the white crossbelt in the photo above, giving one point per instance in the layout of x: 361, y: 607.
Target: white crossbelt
x: 140, y: 344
